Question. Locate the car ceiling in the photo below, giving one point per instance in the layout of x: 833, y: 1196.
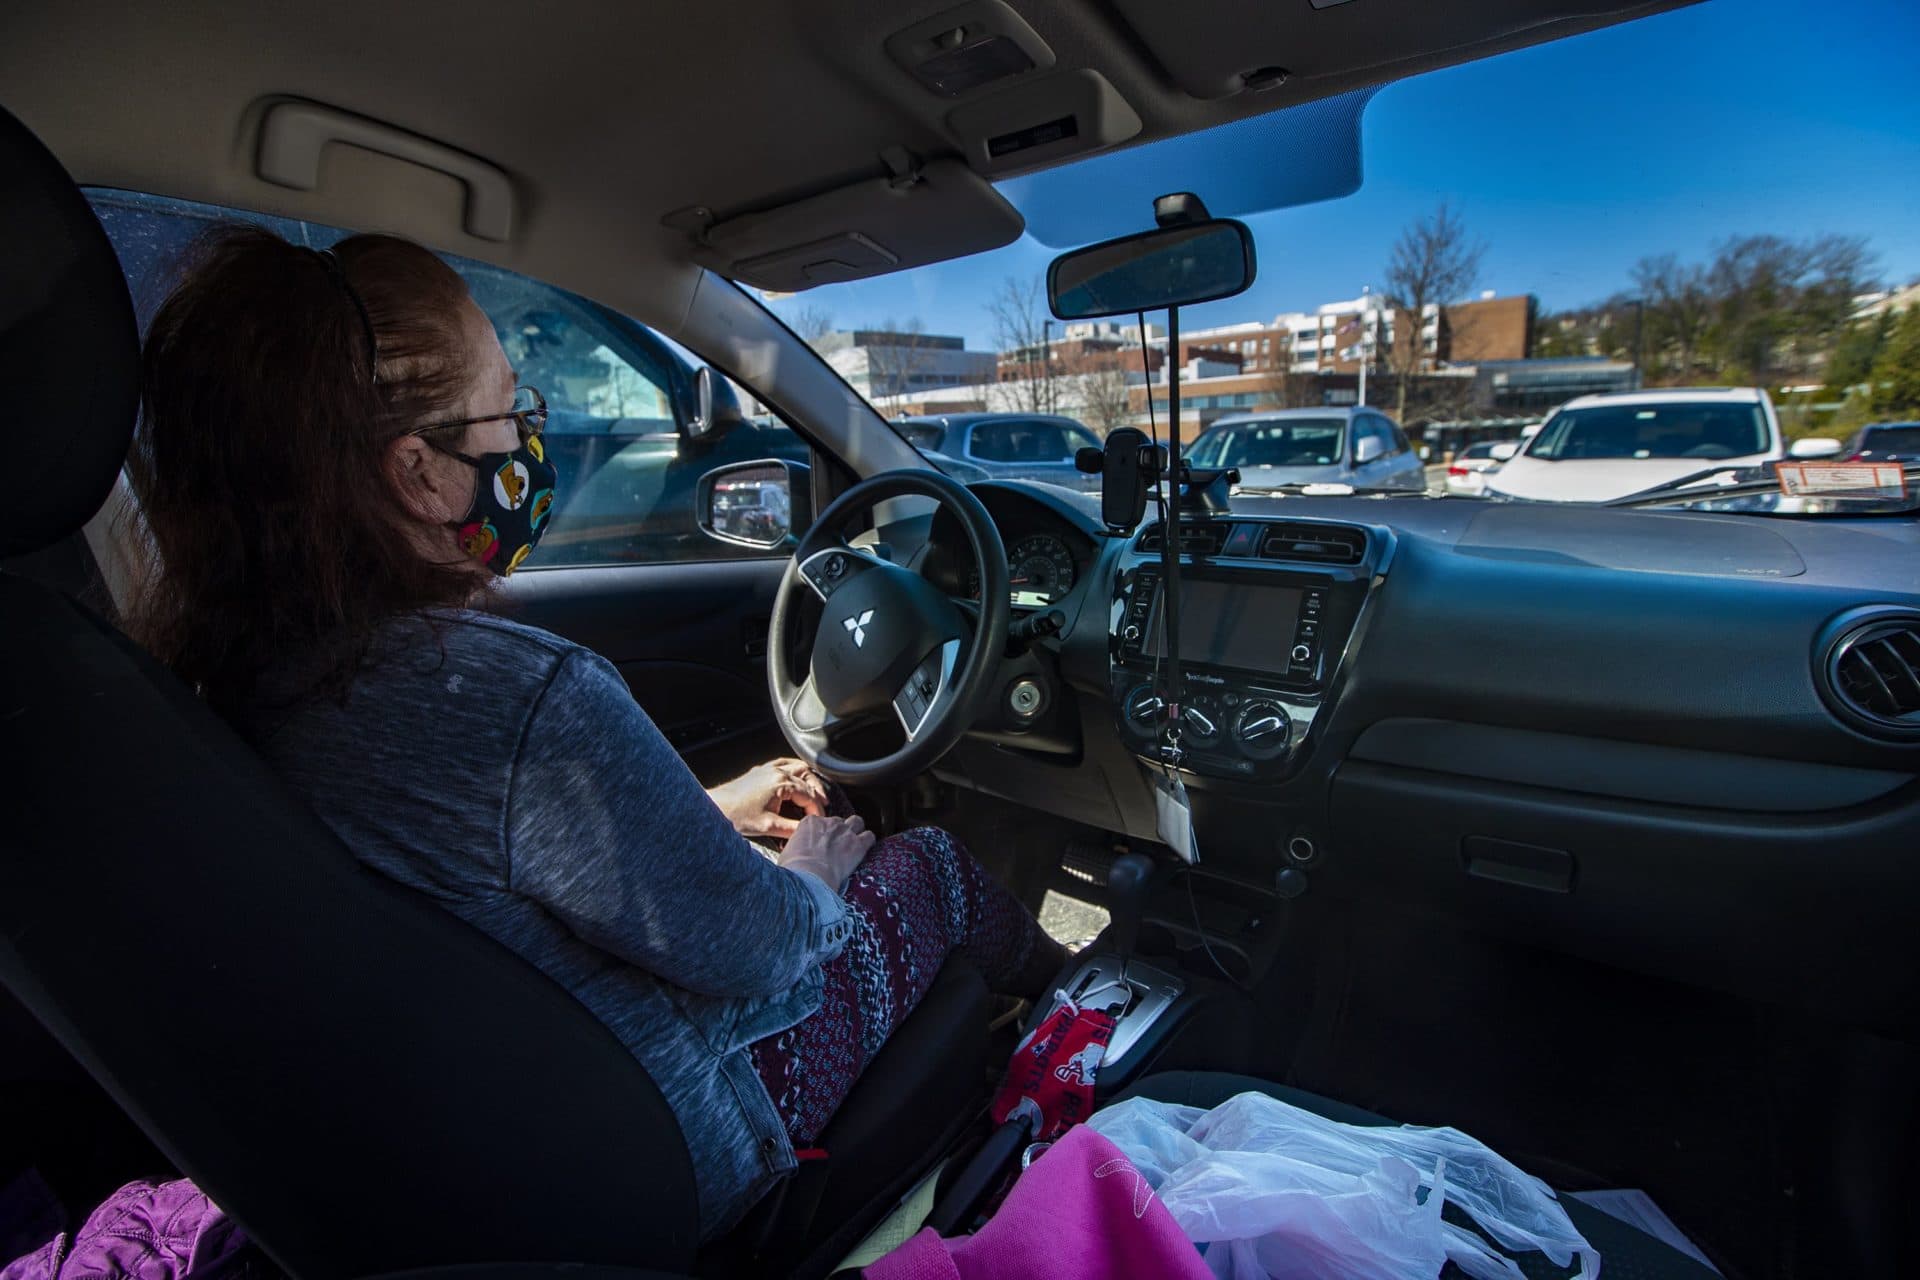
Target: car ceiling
x: 609, y: 117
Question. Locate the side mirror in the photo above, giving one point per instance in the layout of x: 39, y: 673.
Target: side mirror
x: 1814, y: 447
x: 1367, y: 449
x: 1503, y: 452
x: 1172, y: 266
x: 755, y: 504
x: 716, y: 410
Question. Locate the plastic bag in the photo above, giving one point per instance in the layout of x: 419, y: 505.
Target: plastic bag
x: 1267, y: 1189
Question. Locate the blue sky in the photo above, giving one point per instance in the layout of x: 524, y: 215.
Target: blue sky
x: 1571, y: 161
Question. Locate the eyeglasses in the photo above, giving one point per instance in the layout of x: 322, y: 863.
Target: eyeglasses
x: 529, y: 415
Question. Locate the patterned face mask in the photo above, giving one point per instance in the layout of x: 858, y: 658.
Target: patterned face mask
x: 511, y: 503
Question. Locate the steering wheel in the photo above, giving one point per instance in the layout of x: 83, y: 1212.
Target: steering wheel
x: 889, y: 643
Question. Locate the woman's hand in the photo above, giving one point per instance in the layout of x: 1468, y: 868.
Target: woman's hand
x: 827, y: 848
x: 752, y: 801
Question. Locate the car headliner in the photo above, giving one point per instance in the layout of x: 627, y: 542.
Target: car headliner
x: 608, y: 117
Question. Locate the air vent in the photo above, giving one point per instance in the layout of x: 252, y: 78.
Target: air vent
x: 1871, y: 672
x: 1314, y: 543
x: 1195, y: 539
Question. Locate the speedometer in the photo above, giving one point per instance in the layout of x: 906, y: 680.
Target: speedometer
x: 1040, y: 570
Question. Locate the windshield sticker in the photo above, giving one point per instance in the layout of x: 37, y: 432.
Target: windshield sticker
x: 1858, y: 479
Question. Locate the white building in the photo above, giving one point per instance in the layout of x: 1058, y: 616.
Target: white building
x: 887, y: 366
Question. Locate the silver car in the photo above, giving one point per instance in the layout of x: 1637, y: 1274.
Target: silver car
x: 1352, y: 446
x: 1007, y: 446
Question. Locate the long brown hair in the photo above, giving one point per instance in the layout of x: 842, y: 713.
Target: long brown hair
x: 259, y: 464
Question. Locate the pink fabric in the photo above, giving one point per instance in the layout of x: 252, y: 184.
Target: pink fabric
x: 144, y: 1231
x: 1079, y: 1212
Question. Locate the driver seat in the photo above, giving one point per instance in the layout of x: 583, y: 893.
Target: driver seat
x: 366, y: 1084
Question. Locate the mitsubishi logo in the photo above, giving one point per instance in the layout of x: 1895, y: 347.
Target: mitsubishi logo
x: 857, y: 627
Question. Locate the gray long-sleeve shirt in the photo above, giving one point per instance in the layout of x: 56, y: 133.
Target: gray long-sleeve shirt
x: 509, y: 775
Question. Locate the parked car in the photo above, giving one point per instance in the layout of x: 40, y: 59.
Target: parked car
x: 1360, y: 447
x: 1598, y: 448
x: 1005, y: 446
x: 1883, y: 442
x: 1467, y: 473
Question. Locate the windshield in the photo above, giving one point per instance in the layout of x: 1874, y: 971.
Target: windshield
x: 1634, y: 430
x: 1895, y: 444
x: 1310, y: 442
x: 1528, y: 256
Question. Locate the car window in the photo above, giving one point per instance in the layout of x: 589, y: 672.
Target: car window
x: 1026, y: 440
x: 1900, y: 443
x: 1296, y: 442
x: 619, y: 394
x: 924, y: 436
x: 1371, y: 426
x: 1675, y: 430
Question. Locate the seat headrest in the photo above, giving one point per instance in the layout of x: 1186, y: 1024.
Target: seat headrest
x: 69, y: 348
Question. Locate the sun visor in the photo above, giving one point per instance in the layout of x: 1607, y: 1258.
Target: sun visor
x: 1299, y: 155
x: 943, y: 210
x: 1218, y: 48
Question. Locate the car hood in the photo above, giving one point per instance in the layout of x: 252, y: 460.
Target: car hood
x: 1597, y: 480
x: 1274, y: 477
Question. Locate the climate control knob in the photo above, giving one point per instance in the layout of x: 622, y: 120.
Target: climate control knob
x: 1262, y: 730
x: 1144, y: 708
x: 1201, y: 721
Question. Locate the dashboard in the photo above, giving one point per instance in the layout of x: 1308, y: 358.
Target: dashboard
x: 1050, y: 550
x: 1621, y: 734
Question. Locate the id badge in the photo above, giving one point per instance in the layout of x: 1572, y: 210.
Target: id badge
x: 1174, y: 817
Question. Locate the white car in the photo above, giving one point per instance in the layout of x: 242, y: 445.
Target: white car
x: 1468, y: 472
x: 1598, y: 448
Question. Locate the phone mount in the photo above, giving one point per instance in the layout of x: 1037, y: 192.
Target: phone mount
x: 1130, y: 466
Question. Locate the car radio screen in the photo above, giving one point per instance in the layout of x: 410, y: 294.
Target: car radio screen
x: 1230, y: 624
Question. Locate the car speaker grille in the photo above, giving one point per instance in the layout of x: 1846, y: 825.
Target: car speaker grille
x: 1314, y: 543
x: 1872, y: 674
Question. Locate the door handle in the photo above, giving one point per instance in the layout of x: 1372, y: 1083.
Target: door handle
x: 753, y: 633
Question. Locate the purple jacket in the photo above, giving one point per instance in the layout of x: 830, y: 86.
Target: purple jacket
x: 144, y: 1231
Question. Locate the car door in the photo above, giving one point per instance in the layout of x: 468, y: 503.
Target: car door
x: 624, y: 569
x: 1409, y: 471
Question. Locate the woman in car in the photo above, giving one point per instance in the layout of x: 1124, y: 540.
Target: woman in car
x: 334, y: 464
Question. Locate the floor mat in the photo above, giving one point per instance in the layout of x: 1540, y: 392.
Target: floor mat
x: 1584, y: 1075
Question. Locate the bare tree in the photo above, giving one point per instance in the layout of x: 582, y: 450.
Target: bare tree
x: 1292, y: 390
x: 811, y: 322
x: 1020, y: 320
x: 1678, y: 309
x: 1432, y: 263
x: 1094, y: 384
x: 895, y: 363
x: 1778, y: 305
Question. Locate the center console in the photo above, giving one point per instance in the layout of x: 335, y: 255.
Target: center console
x: 1267, y: 609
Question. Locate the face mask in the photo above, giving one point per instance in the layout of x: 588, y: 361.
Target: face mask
x: 511, y: 503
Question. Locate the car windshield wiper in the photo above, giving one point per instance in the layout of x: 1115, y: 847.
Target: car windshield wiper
x: 1322, y: 488
x: 1671, y: 491
x: 1688, y: 480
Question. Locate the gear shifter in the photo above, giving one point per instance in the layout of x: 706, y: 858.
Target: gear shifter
x: 1127, y: 881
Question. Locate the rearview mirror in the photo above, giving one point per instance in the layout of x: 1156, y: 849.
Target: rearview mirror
x: 1171, y: 266
x: 1814, y: 447
x: 1366, y: 449
x: 752, y: 504
x: 1503, y: 452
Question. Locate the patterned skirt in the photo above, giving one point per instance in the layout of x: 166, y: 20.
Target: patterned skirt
x: 918, y: 897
